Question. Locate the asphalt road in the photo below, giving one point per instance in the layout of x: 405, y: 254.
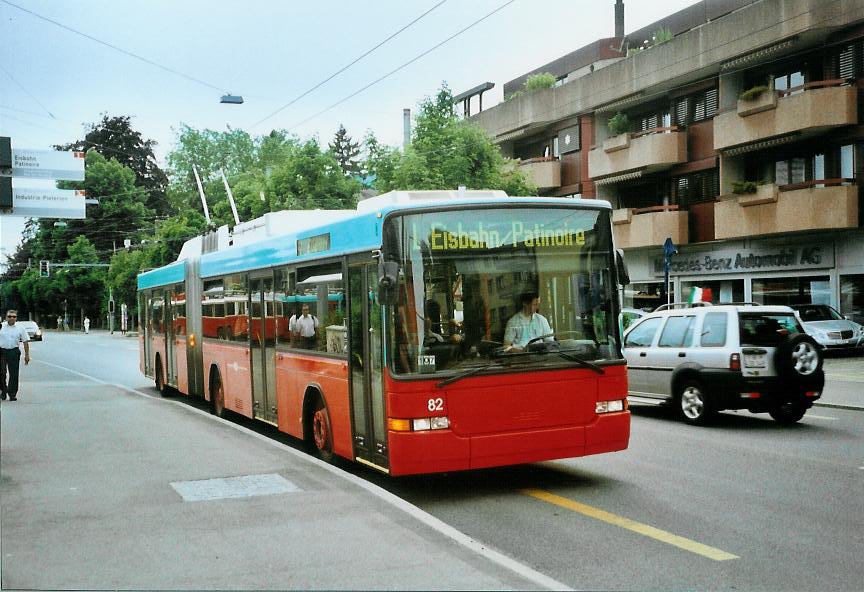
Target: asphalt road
x: 743, y: 504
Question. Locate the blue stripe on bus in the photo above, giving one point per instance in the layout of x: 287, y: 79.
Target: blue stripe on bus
x: 346, y: 236
x: 172, y: 273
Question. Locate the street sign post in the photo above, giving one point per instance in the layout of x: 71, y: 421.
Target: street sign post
x: 48, y: 164
x: 33, y: 202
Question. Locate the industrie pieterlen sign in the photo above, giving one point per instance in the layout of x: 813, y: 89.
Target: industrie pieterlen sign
x: 751, y: 260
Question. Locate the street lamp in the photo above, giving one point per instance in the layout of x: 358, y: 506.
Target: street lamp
x: 230, y: 99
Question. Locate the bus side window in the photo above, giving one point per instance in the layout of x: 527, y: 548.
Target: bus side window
x: 236, y: 308
x: 286, y: 304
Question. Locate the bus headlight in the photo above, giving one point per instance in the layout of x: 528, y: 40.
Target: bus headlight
x: 610, y: 406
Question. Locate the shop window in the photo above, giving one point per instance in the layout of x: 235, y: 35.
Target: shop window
x: 720, y: 291
x: 852, y: 296
x: 646, y: 296
x: 792, y: 290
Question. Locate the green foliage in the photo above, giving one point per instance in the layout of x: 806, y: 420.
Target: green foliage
x: 115, y: 138
x: 662, y: 36
x: 743, y: 187
x: 446, y: 153
x: 346, y: 152
x: 753, y: 93
x: 631, y: 51
x: 540, y: 81
x: 619, y: 124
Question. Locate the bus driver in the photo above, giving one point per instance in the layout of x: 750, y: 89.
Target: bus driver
x: 527, y: 324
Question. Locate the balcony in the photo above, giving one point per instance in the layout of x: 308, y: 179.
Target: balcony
x: 649, y: 227
x: 544, y: 172
x: 815, y: 205
x: 800, y: 111
x: 648, y: 151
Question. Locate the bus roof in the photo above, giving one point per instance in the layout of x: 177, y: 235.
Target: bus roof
x: 348, y: 231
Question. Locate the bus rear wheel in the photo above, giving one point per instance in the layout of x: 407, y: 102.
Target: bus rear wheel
x: 217, y: 395
x: 321, y: 441
x: 160, y: 377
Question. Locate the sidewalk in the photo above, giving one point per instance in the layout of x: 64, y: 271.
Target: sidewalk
x: 844, y: 382
x: 104, y: 487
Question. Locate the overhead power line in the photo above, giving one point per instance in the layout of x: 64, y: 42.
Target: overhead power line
x: 335, y: 74
x: 406, y: 64
x: 114, y: 47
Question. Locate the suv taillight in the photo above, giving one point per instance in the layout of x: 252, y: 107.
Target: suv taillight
x: 735, y: 362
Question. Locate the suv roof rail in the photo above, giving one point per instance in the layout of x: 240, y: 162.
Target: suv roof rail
x: 740, y: 303
x: 674, y: 305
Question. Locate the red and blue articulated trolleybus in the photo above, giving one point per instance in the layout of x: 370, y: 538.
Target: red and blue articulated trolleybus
x: 423, y: 332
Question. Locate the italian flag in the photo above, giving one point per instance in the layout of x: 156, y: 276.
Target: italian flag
x: 699, y: 295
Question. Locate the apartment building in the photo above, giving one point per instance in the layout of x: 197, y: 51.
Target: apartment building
x: 733, y: 127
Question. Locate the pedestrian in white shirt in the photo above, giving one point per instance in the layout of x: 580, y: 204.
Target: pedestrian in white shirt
x: 305, y: 328
x: 10, y: 354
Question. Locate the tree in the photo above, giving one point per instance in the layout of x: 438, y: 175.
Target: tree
x: 308, y: 179
x: 445, y: 153
x: 115, y: 138
x: 346, y: 152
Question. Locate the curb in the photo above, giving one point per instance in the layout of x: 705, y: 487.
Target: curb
x: 840, y: 406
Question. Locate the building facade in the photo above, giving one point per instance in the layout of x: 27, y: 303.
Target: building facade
x: 733, y: 127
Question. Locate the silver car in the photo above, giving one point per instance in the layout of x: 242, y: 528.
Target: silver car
x: 829, y: 328
x: 708, y: 358
x: 33, y: 330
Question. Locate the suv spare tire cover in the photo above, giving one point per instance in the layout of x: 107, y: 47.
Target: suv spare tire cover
x: 785, y: 361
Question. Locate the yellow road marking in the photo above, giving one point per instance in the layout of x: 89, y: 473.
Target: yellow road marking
x: 643, y: 529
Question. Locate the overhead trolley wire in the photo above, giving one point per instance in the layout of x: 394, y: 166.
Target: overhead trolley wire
x: 408, y: 63
x: 114, y: 47
x: 335, y: 74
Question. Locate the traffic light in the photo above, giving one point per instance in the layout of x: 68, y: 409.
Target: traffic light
x: 44, y: 268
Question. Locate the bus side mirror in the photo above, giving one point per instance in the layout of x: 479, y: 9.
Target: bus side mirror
x: 623, y: 274
x: 388, y: 276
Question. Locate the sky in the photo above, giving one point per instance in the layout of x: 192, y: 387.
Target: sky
x: 53, y: 80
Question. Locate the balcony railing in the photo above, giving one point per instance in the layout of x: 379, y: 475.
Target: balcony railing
x: 649, y: 227
x: 650, y: 150
x: 544, y: 171
x: 821, y: 204
x: 803, y: 110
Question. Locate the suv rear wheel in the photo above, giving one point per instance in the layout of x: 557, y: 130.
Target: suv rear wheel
x: 788, y: 413
x: 694, y: 404
x: 799, y: 357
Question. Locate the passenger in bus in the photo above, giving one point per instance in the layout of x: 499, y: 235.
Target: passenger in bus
x: 432, y: 324
x: 527, y: 324
x: 304, y: 329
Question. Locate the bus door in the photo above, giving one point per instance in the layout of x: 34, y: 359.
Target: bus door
x: 171, y: 296
x: 145, y: 325
x: 366, y: 366
x: 262, y: 330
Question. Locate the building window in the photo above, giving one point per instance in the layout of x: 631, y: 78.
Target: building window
x: 792, y: 170
x: 847, y: 161
x: 717, y: 291
x: 697, y: 187
x: 652, y: 120
x: 789, y: 81
x: 696, y: 107
x: 848, y: 61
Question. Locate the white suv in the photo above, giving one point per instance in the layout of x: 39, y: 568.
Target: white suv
x: 738, y: 356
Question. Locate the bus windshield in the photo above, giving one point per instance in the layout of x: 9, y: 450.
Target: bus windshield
x: 483, y: 284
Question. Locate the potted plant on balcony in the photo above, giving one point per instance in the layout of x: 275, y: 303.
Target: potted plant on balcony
x: 618, y: 125
x: 756, y: 99
x: 753, y: 193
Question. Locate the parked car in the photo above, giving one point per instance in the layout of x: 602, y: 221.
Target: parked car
x: 829, y: 328
x: 33, y: 330
x: 708, y: 358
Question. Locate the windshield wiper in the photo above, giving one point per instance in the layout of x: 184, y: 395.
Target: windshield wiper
x: 472, y: 372
x: 585, y: 364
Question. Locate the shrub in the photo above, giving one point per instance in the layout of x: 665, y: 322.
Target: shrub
x: 540, y: 81
x: 619, y: 124
x: 752, y: 93
x: 662, y: 36
x: 742, y: 187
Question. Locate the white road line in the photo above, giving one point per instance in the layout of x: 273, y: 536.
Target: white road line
x: 811, y: 416
x: 520, y: 569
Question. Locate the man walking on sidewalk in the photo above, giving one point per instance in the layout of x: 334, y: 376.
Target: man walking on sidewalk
x: 10, y: 354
